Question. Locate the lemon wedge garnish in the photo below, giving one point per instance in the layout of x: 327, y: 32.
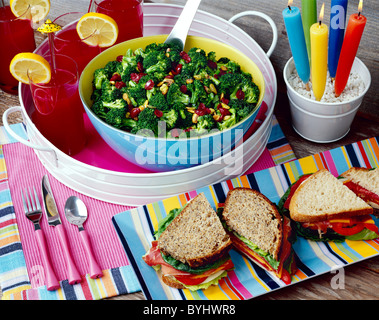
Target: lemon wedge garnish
x: 97, y: 29
x: 39, y: 9
x: 32, y: 64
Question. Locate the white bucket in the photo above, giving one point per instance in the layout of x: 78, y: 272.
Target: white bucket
x: 319, y: 121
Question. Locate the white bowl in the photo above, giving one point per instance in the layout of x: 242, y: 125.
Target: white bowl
x: 319, y: 121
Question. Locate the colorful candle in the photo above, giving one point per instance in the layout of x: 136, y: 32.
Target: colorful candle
x: 319, y: 52
x: 354, y: 31
x: 336, y: 33
x: 309, y: 17
x: 295, y: 32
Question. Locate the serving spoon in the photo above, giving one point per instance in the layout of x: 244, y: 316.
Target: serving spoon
x: 76, y: 213
x: 178, y: 34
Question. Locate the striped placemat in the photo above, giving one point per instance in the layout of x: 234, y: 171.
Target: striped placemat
x: 15, y: 278
x: 136, y: 229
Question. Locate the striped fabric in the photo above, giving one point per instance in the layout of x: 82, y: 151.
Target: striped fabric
x: 136, y: 228
x: 14, y: 276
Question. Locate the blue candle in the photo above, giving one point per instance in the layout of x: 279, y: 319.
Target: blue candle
x: 336, y: 33
x: 295, y: 32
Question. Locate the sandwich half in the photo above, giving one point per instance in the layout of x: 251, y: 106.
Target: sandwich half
x: 364, y: 183
x: 191, y: 247
x: 324, y: 209
x: 258, y: 230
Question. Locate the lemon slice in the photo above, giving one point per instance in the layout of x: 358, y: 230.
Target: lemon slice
x: 30, y: 63
x: 38, y: 8
x: 97, y: 29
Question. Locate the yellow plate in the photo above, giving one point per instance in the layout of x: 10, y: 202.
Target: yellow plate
x: 208, y: 45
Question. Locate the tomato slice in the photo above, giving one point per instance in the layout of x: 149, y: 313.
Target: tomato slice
x: 190, y: 281
x: 293, y: 189
x: 347, y: 230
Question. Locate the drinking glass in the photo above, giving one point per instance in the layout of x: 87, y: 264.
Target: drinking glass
x: 16, y: 35
x: 58, y: 109
x: 127, y: 13
x: 68, y: 42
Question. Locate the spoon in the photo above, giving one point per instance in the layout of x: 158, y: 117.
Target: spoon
x: 76, y: 213
x: 180, y: 30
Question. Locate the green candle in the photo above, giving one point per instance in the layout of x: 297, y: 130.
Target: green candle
x: 309, y: 17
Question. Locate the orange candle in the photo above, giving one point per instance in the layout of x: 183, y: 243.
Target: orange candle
x: 354, y: 31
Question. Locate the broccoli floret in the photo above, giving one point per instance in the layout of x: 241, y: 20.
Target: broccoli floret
x: 231, y: 121
x: 137, y: 95
x: 181, y: 78
x: 99, y: 76
x: 198, y: 59
x: 113, y: 66
x: 99, y: 109
x: 242, y: 107
x: 180, y: 108
x: 116, y: 104
x: 163, y: 65
x: 129, y: 59
x: 198, y: 92
x: 229, y: 82
x: 174, y: 95
x: 115, y: 117
x: 250, y: 90
x: 158, y: 101
x: 147, y: 123
x: 127, y: 71
x: 170, y: 117
x: 205, y: 123
x: 96, y: 95
x: 230, y: 65
x: 110, y: 93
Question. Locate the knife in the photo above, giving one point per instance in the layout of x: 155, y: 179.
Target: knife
x: 54, y: 220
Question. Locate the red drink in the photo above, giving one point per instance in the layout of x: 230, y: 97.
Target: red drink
x: 67, y: 42
x: 58, y: 110
x: 16, y: 35
x: 127, y: 13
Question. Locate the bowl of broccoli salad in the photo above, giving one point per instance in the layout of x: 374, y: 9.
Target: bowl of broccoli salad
x: 152, y: 92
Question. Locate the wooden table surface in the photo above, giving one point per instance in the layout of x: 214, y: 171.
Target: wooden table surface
x: 361, y: 279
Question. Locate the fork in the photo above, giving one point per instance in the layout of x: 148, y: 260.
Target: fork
x: 33, y: 212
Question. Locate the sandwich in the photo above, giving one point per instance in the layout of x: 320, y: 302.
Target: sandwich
x: 259, y: 231
x: 191, y: 247
x: 364, y: 183
x: 322, y: 208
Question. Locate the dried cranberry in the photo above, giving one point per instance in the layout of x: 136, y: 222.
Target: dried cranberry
x: 149, y: 84
x: 183, y: 88
x: 201, y: 106
x: 200, y: 112
x: 223, y: 111
x: 240, y: 94
x: 135, y: 112
x: 175, y: 133
x: 224, y: 100
x: 158, y: 113
x: 185, y: 56
x: 119, y: 58
x: 137, y: 76
x: 140, y: 66
x: 120, y: 84
x: 170, y: 76
x: 178, y: 68
x: 115, y: 77
x: 211, y: 64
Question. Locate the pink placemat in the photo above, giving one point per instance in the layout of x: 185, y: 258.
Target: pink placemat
x: 25, y: 169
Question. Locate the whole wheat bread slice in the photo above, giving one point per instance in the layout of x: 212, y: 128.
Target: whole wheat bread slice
x: 196, y: 236
x: 322, y: 196
x: 255, y: 217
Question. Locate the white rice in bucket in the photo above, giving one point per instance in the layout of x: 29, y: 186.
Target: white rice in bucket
x: 355, y: 87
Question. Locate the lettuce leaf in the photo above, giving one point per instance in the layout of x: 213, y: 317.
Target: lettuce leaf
x: 162, y: 225
x: 178, y: 265
x: 365, y: 234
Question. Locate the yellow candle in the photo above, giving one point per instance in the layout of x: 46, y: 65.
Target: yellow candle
x: 319, y: 56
